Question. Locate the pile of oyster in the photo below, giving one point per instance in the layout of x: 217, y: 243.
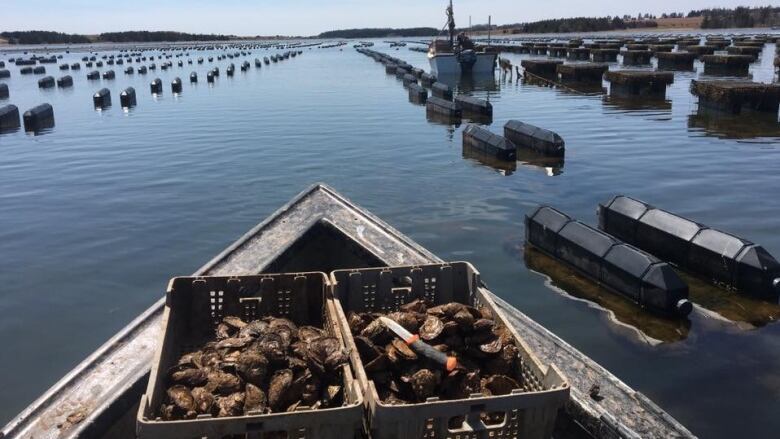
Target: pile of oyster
x: 258, y: 367
x: 488, y: 359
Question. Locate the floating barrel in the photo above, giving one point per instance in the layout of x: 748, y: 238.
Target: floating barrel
x: 156, y: 86
x: 75, y: 66
x: 93, y: 75
x: 102, y: 98
x: 64, y: 67
x: 488, y: 143
x: 443, y: 107
x: 5, y: 74
x: 88, y: 64
x: 193, y: 77
x: 152, y: 66
x: 181, y: 63
x: 427, y: 79
x: 9, y: 117
x: 142, y: 70
x: 200, y: 60
x: 129, y: 71
x: 538, y: 139
x: 215, y: 71
x: 258, y: 63
x: 721, y: 257
x: 46, y: 82
x: 176, y: 85
x: 627, y: 270
x: 230, y: 69
x: 98, y: 63
x: 210, y: 77
x: 38, y: 118
x: 409, y: 79
x: 40, y: 70
x: 473, y: 105
x: 65, y: 82
x: 26, y: 70
x: 109, y: 74
x: 441, y: 90
x: 127, y: 98
x: 3, y: 91
x: 417, y: 94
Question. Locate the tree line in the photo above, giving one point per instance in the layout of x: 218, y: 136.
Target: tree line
x: 46, y: 37
x: 716, y: 18
x: 380, y: 33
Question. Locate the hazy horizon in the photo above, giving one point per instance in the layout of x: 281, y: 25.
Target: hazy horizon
x: 307, y: 17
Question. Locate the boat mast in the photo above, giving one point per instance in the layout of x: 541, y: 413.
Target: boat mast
x: 451, y: 23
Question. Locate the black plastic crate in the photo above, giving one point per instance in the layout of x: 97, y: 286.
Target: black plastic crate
x: 525, y: 413
x: 193, y: 308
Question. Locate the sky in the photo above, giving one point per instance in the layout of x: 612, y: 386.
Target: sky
x: 309, y: 17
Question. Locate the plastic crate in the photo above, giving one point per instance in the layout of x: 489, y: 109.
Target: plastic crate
x: 195, y: 305
x: 528, y: 413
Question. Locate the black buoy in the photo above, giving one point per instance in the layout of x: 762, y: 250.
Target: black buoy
x: 38, y: 118
x: 3, y: 91
x: 93, y: 75
x: 109, y: 74
x: 230, y: 69
x: 65, y: 82
x: 129, y: 71
x: 210, y: 77
x: 127, y: 98
x: 75, y: 66
x: 642, y: 278
x: 102, y: 98
x: 176, y: 85
x: 40, y: 70
x: 193, y: 77
x: 156, y: 86
x: 9, y: 117
x: 5, y: 74
x: 142, y: 70
x: 46, y: 82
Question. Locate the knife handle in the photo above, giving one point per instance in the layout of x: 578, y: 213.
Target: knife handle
x: 428, y: 351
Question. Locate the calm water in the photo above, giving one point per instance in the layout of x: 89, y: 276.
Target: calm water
x: 97, y: 214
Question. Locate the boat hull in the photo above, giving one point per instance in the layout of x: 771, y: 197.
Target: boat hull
x: 446, y: 64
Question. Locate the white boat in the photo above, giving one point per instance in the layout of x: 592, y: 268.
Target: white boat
x: 457, y: 55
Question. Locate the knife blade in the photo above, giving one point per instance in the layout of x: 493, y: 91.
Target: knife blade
x: 419, y: 346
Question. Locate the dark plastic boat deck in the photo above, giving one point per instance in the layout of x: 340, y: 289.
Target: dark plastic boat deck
x: 322, y: 230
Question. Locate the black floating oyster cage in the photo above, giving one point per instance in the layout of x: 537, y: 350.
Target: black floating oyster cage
x: 193, y: 308
x: 527, y: 413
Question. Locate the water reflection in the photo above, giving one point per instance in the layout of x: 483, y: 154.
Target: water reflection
x: 503, y: 167
x: 625, y: 312
x: 470, y: 83
x: 729, y: 126
x: 639, y: 103
x: 748, y: 312
x: 552, y: 166
x: 440, y: 119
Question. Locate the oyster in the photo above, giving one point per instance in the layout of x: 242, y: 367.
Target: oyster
x: 231, y: 405
x: 254, y: 399
x: 223, y: 383
x: 252, y: 366
x: 187, y: 375
x: 431, y: 328
x: 278, y: 388
x: 204, y: 400
x: 182, y: 401
x: 499, y: 385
